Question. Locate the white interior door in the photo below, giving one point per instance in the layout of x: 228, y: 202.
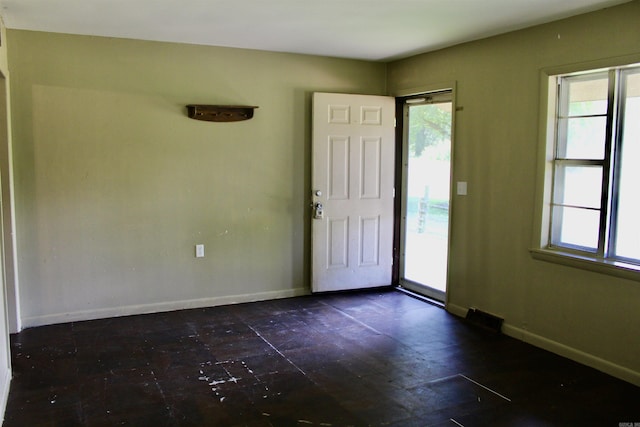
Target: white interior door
x: 352, y: 191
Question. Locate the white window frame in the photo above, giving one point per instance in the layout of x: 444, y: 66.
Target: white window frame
x: 545, y: 245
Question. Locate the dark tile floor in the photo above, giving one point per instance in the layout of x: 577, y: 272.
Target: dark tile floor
x: 361, y: 359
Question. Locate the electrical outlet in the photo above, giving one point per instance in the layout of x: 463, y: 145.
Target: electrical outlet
x: 200, y: 251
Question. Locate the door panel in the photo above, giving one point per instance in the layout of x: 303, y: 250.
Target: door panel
x: 338, y: 167
x: 352, y: 180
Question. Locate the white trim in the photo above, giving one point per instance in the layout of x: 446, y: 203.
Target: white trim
x: 563, y: 350
x: 457, y: 310
x: 598, y: 265
x: 4, y: 393
x: 419, y: 90
x: 102, y: 313
x: 579, y: 356
x: 547, y: 113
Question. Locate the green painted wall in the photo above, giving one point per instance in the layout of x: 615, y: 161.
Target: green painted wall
x: 6, y: 249
x: 115, y: 184
x: 589, y: 316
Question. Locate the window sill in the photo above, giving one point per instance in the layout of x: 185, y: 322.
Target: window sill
x: 612, y: 268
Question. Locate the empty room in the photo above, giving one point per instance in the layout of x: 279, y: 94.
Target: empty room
x: 329, y: 213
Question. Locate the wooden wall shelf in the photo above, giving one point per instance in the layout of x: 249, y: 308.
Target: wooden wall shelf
x: 220, y: 113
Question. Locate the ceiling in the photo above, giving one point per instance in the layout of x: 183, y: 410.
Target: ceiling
x: 374, y: 30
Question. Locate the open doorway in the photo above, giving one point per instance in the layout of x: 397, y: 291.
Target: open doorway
x: 426, y: 195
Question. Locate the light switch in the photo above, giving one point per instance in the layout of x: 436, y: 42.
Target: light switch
x: 199, y: 251
x: 462, y: 188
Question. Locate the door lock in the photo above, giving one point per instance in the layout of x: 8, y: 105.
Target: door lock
x: 317, y: 211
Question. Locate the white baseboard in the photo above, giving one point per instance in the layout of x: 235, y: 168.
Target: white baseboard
x: 563, y: 350
x: 5, y: 384
x: 102, y: 313
x: 579, y: 356
x: 456, y: 310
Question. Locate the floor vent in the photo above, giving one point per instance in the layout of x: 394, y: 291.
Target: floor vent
x: 484, y: 320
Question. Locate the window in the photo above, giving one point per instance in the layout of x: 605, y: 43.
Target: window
x: 594, y: 196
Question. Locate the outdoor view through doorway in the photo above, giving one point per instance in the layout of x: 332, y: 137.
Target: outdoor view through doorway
x: 426, y: 182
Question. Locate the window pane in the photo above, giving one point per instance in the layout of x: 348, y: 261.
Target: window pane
x: 588, y: 96
x: 628, y: 227
x: 576, y: 227
x: 582, y: 186
x: 584, y: 139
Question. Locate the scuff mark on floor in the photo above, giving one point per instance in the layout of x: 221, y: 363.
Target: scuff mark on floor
x: 276, y: 350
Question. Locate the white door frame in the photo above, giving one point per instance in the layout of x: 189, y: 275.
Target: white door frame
x: 401, y: 183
